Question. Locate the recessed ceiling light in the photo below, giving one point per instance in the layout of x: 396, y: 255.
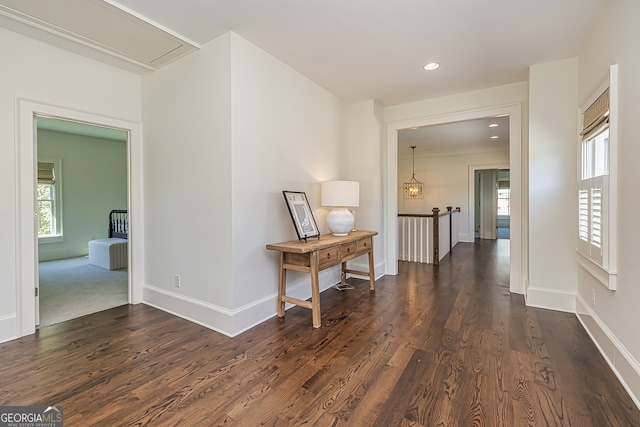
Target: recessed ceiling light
x: 493, y: 125
x: 494, y: 137
x: 431, y: 66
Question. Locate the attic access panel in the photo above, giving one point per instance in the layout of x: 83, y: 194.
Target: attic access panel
x: 102, y: 26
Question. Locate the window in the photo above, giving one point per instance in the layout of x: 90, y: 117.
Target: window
x: 596, y: 186
x: 48, y: 196
x: 504, y: 193
x: 592, y: 194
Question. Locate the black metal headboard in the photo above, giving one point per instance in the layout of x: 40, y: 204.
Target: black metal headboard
x: 118, y: 224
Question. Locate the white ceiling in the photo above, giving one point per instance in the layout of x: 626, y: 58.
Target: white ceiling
x: 375, y: 49
x: 357, y: 49
x: 471, y: 136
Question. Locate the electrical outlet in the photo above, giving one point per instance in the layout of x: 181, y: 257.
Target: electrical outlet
x: 176, y: 280
x: 593, y: 297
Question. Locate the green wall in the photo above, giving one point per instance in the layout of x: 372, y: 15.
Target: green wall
x: 94, y: 181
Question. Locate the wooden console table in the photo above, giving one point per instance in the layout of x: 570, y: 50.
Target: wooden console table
x: 316, y: 255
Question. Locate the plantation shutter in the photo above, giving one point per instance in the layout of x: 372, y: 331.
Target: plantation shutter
x: 45, y: 173
x: 583, y: 215
x: 596, y: 217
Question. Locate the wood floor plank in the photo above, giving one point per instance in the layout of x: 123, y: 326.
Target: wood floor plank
x: 432, y: 346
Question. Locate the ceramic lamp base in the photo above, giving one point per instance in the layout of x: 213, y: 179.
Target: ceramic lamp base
x: 340, y: 221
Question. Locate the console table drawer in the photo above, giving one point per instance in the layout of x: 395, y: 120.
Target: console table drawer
x: 364, y: 246
x: 348, y: 251
x: 328, y: 257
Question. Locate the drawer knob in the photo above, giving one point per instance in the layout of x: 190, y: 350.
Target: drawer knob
x: 328, y: 256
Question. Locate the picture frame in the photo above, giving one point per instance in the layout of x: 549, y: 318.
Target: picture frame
x: 301, y: 214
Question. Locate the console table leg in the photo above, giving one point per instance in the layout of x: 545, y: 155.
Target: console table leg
x: 372, y: 274
x: 282, y: 286
x: 315, y: 291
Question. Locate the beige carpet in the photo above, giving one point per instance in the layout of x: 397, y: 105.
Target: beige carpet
x: 72, y: 288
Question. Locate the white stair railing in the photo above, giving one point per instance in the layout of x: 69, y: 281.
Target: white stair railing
x: 427, y: 238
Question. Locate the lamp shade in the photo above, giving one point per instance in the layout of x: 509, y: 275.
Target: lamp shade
x: 340, y: 193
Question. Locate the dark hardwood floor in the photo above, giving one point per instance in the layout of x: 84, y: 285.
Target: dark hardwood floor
x: 433, y: 346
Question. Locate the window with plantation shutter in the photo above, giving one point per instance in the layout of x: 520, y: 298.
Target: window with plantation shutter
x: 596, y: 188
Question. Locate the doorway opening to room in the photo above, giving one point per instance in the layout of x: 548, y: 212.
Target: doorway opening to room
x: 492, y: 206
x: 27, y: 314
x: 438, y: 157
x: 81, y: 178
x: 512, y: 161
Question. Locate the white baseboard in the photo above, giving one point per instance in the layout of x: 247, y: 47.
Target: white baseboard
x: 622, y: 363
x: 465, y: 238
x: 8, y: 327
x: 208, y: 315
x: 234, y: 322
x: 551, y: 299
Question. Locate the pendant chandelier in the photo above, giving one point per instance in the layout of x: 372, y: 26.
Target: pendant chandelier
x: 413, y: 189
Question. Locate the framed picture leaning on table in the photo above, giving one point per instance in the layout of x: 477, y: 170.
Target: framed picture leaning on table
x: 301, y: 215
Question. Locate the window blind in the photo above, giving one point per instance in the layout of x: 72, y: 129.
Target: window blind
x: 596, y: 115
x: 504, y: 185
x: 46, y: 173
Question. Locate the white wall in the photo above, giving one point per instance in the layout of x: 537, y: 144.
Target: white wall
x: 365, y: 135
x: 288, y: 133
x: 553, y: 91
x: 613, y: 319
x: 187, y: 152
x: 240, y: 128
x: 35, y: 71
x: 446, y: 183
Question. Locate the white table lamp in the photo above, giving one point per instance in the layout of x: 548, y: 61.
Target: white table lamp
x: 340, y: 195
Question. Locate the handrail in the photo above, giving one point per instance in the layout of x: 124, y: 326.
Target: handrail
x: 449, y: 211
x: 416, y: 215
x: 436, y: 214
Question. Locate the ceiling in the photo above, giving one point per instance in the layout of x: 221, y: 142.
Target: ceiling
x: 470, y: 136
x: 375, y: 49
x: 357, y: 49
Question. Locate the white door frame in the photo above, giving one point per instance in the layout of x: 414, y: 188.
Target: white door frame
x: 516, y: 281
x: 26, y: 234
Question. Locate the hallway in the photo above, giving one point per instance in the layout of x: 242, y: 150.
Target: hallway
x: 445, y: 345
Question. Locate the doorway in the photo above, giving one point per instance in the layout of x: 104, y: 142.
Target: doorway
x: 492, y: 193
x: 82, y: 176
x: 503, y: 223
x: 513, y: 111
x: 26, y: 233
